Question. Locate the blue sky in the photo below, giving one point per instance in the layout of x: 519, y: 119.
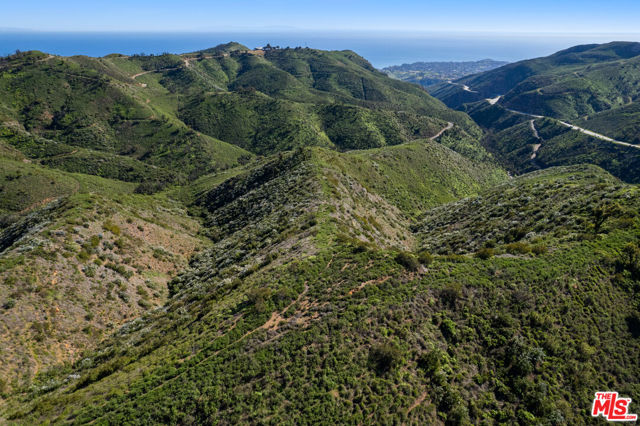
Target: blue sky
x: 549, y: 16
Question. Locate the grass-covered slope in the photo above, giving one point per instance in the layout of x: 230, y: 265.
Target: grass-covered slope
x: 622, y: 123
x: 83, y: 112
x: 380, y: 275
x: 561, y: 203
x: 348, y: 331
x: 594, y: 86
x: 203, y: 112
x: 111, y: 252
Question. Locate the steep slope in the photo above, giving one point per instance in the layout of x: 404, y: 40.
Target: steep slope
x: 568, y: 84
x: 309, y: 97
x: 170, y: 118
x: 594, y: 87
x: 82, y: 113
x: 111, y: 253
x: 336, y: 330
x: 79, y: 256
x: 522, y: 142
x: 621, y: 123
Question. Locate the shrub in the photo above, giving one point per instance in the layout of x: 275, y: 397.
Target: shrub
x: 515, y: 234
x: 408, y: 260
x: 485, y: 253
x: 630, y: 260
x: 258, y: 298
x: 384, y: 357
x: 94, y: 241
x: 449, y: 330
x: 83, y: 255
x: 430, y: 362
x: 633, y: 323
x: 425, y: 258
x: 517, y: 248
x: 539, y: 249
x: 451, y: 293
x: 111, y: 227
x: 90, y: 271
x: 150, y: 187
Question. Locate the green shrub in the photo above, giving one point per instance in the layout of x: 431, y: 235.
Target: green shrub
x: 425, y: 258
x: 111, y: 227
x: 539, y: 249
x: 630, y: 260
x: 384, y: 357
x: 408, y: 260
x: 449, y: 330
x: 83, y: 255
x: 94, y: 241
x: 258, y: 297
x: 517, y: 248
x: 485, y: 253
x: 430, y: 361
x: 451, y: 293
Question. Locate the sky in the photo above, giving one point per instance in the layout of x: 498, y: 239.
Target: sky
x: 502, y: 16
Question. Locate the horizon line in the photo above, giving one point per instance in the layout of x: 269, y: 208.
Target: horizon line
x: 319, y: 30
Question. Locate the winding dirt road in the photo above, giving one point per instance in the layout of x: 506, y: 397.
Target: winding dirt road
x: 536, y: 147
x: 580, y: 129
x: 591, y: 133
x: 437, y: 135
x: 464, y: 86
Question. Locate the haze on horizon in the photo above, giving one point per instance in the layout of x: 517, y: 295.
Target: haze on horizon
x: 499, y: 16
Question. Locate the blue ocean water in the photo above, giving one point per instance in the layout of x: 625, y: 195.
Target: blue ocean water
x: 381, y: 49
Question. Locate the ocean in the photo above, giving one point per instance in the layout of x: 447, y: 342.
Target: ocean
x: 381, y: 49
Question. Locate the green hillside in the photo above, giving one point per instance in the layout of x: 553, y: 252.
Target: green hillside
x: 288, y: 236
x: 595, y: 87
x: 620, y: 123
x: 512, y: 140
x: 568, y: 84
x: 306, y: 310
x: 171, y: 118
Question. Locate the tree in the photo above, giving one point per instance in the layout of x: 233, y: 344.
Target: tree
x: 384, y: 357
x: 603, y: 212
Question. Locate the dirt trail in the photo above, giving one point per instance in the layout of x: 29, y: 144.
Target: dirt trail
x: 536, y: 147
x: 464, y: 87
x: 149, y: 72
x: 267, y: 325
x: 418, y: 401
x: 447, y: 127
x: 66, y: 154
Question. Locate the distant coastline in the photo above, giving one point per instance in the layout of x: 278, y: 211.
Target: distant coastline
x: 382, y: 50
